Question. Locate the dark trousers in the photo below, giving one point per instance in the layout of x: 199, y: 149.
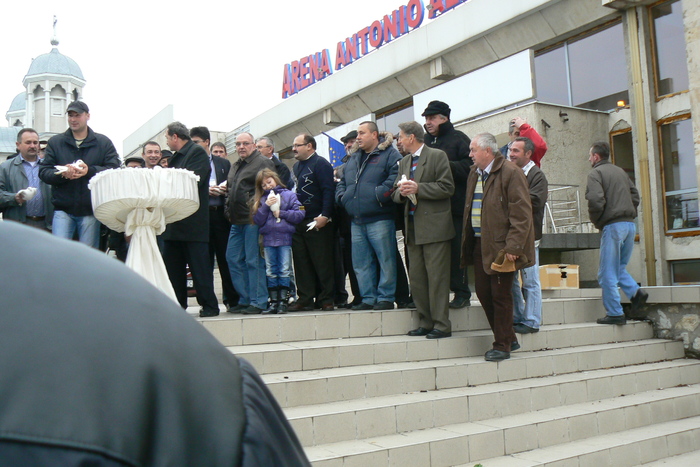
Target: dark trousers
x: 496, y: 297
x: 459, y: 282
x: 177, y: 256
x: 403, y: 293
x: 341, y: 295
x: 312, y: 253
x: 219, y: 230
x: 346, y: 248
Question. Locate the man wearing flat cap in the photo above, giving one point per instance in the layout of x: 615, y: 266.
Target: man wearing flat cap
x: 442, y: 135
x: 84, y: 153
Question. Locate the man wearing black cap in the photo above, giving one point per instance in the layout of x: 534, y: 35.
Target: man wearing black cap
x: 87, y: 153
x: 442, y: 135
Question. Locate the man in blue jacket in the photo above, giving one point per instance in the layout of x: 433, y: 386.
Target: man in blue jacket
x: 365, y: 193
x: 71, y: 195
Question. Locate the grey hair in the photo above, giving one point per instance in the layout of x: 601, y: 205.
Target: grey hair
x: 267, y: 140
x: 486, y: 141
x: 413, y: 128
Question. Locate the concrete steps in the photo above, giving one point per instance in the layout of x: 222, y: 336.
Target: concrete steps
x: 358, y: 391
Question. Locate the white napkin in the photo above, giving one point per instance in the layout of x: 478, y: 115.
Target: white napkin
x: 27, y: 193
x: 412, y: 196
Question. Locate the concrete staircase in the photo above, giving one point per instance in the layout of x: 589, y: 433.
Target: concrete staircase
x: 359, y: 392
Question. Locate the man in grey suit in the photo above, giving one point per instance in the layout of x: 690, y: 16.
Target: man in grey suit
x: 425, y: 192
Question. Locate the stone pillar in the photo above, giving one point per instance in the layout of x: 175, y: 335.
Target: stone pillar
x: 47, y: 107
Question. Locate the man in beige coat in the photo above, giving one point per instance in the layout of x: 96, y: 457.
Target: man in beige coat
x: 497, y: 229
x: 424, y: 185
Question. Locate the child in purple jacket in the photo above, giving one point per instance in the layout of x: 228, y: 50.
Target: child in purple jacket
x: 276, y: 212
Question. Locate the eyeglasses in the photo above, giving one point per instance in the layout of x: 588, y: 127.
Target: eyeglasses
x: 239, y: 143
x: 299, y: 145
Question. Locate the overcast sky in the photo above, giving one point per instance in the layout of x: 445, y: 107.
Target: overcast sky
x: 219, y: 62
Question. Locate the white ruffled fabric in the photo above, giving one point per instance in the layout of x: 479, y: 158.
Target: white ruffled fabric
x: 141, y: 202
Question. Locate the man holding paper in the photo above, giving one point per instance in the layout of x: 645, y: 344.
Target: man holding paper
x: 425, y: 185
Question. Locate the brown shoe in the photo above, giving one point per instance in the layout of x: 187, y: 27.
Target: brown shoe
x: 328, y: 307
x: 296, y: 306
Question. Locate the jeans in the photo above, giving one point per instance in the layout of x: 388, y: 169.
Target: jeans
x: 65, y: 225
x: 616, y: 245
x: 278, y: 263
x: 375, y: 244
x: 247, y: 265
x: 527, y: 302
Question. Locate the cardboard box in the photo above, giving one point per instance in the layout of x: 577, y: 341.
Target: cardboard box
x: 559, y: 276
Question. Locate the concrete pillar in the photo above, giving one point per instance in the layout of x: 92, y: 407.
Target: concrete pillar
x: 691, y: 18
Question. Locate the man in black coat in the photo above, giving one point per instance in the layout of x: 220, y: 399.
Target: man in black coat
x: 187, y: 241
x: 113, y: 375
x: 442, y: 135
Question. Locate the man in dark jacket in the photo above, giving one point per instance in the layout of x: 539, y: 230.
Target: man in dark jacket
x: 243, y: 252
x: 527, y: 312
x: 266, y: 146
x: 20, y: 173
x: 312, y: 249
x: 497, y: 205
x: 187, y: 241
x: 70, y: 194
x: 612, y: 208
x: 442, y: 135
x: 365, y: 193
x: 114, y: 375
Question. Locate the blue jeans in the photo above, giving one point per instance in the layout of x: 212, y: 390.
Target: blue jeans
x: 616, y: 245
x: 527, y: 301
x: 247, y: 265
x: 375, y: 244
x: 278, y: 263
x: 88, y: 227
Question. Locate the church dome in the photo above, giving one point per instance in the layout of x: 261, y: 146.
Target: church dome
x: 18, y: 103
x: 54, y: 63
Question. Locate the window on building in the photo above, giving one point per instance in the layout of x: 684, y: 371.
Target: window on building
x: 390, y: 120
x: 588, y: 72
x: 679, y: 175
x: 670, y: 66
x: 685, y: 272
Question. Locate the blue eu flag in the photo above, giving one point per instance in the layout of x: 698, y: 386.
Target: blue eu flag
x: 336, y: 151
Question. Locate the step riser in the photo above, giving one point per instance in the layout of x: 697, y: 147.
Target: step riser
x: 461, y: 444
x: 291, y: 357
x: 431, y: 412
x: 258, y: 329
x: 454, y: 374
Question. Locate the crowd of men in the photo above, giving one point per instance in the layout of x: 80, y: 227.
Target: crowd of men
x: 458, y: 202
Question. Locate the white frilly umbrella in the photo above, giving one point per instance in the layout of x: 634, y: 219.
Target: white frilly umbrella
x: 141, y: 202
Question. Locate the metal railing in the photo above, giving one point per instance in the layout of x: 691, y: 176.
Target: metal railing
x: 563, y: 210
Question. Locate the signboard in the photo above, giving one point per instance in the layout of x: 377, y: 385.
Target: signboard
x: 306, y: 71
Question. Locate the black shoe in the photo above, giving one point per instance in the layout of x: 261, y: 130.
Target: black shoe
x: 237, y: 308
x: 521, y: 328
x: 419, y: 332
x: 296, y: 306
x: 514, y: 346
x: 363, y: 306
x: 208, y: 314
x: 252, y: 310
x: 639, y: 300
x: 494, y: 355
x: 437, y: 334
x: 383, y: 306
x: 460, y: 302
x: 612, y: 320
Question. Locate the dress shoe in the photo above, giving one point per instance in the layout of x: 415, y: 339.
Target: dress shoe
x: 405, y: 305
x: 296, y: 306
x: 612, y: 320
x: 383, y: 306
x: 328, y: 307
x: 208, y: 313
x: 460, y: 302
x: 639, y: 300
x: 419, y: 332
x: 437, y: 334
x: 252, y: 310
x: 514, y: 346
x: 521, y: 328
x: 363, y: 306
x: 237, y: 308
x: 495, y: 355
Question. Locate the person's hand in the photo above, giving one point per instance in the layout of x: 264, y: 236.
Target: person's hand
x: 214, y: 191
x: 19, y: 199
x: 321, y: 222
x: 408, y: 187
x: 518, y: 122
x: 512, y: 258
x: 81, y: 169
x: 272, y: 199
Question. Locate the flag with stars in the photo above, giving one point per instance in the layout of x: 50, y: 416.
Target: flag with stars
x: 336, y: 151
